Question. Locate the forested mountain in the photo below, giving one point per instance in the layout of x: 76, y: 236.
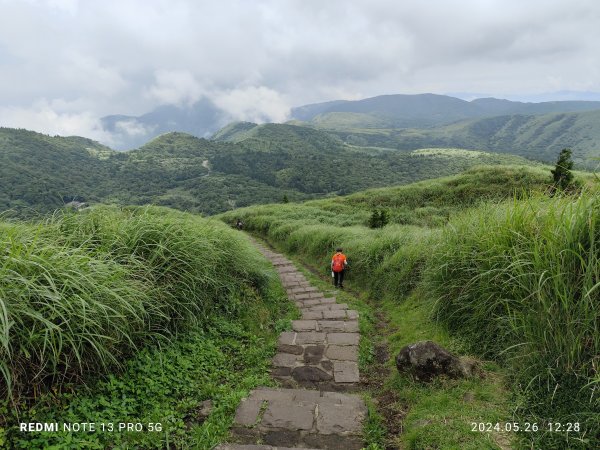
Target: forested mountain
x: 266, y: 163
x: 538, y: 137
x: 44, y: 173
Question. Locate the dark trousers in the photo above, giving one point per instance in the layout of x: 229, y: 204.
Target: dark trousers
x: 338, y: 278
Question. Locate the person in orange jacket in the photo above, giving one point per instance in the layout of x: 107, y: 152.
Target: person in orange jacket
x: 338, y: 266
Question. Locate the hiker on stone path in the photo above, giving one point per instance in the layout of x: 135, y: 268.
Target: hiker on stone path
x: 338, y: 267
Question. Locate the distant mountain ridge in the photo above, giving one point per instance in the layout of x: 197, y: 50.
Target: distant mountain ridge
x: 204, y: 118
x: 426, y: 110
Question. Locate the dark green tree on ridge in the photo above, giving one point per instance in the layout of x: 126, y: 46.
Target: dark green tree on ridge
x: 562, y: 175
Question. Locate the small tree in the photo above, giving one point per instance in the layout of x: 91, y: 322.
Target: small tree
x: 379, y: 218
x: 285, y: 198
x: 562, y: 176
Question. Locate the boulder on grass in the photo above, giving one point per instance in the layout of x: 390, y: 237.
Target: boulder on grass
x: 426, y: 360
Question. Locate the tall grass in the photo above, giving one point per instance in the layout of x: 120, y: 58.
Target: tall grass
x: 81, y: 292
x: 521, y: 280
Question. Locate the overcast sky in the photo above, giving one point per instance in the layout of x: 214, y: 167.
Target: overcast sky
x: 66, y: 63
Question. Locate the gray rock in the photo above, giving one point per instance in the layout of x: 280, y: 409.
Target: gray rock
x: 205, y: 409
x: 426, y: 360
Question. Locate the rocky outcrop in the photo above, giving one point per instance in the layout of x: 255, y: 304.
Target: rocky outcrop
x: 426, y: 360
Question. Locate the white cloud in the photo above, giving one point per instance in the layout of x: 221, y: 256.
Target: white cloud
x: 176, y: 87
x: 42, y: 117
x: 253, y: 104
x: 257, y: 58
x: 133, y: 128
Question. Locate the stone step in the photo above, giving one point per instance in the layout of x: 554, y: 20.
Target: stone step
x: 300, y: 418
x: 313, y: 337
x: 289, y: 285
x: 292, y: 355
x: 326, y: 307
x: 295, y: 277
x: 281, y: 262
x: 299, y: 290
x: 256, y: 447
x: 342, y: 326
x: 328, y: 314
x: 309, y: 303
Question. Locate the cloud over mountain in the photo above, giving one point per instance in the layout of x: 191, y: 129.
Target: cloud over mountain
x: 257, y: 59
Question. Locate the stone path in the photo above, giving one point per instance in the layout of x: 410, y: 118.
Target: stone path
x: 315, y: 363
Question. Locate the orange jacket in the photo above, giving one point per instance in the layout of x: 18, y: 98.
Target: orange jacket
x: 338, y: 262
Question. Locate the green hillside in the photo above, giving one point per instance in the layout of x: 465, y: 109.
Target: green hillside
x: 234, y: 132
x: 487, y: 265
x: 262, y: 165
x: 316, y: 162
x: 43, y: 172
x: 539, y: 137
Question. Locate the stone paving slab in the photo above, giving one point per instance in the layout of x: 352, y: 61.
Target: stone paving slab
x: 328, y: 314
x: 301, y: 418
x: 328, y: 307
x: 318, y: 337
x: 315, y: 301
x: 348, y: 326
x: 310, y: 337
x: 309, y: 359
x: 294, y: 283
x: 342, y: 352
x: 343, y: 338
x: 255, y: 447
x: 346, y: 372
x: 312, y: 315
x: 304, y: 289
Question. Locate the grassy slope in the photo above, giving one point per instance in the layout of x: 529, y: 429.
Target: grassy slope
x: 197, y: 175
x: 398, y: 265
x: 146, y: 307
